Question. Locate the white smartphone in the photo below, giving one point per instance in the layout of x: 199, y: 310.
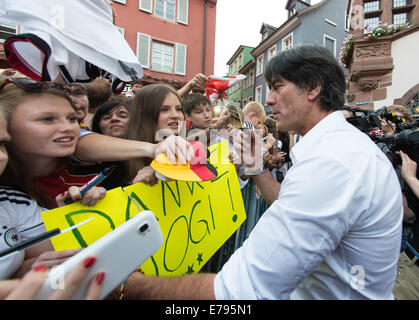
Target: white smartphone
x: 119, y: 253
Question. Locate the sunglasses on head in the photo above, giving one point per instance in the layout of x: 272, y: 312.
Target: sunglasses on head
x: 33, y: 85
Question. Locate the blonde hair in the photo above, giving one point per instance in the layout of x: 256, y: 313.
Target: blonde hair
x: 11, y: 96
x: 257, y: 108
x: 14, y: 176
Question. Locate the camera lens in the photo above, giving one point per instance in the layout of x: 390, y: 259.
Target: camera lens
x: 144, y: 227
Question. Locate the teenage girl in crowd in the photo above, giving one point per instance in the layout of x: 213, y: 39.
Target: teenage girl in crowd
x: 17, y: 214
x: 158, y: 111
x: 44, y: 133
x: 111, y: 119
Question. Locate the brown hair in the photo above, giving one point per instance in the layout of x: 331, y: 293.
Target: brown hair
x: 14, y: 176
x: 193, y: 100
x: 271, y: 125
x: 98, y: 92
x: 142, y: 124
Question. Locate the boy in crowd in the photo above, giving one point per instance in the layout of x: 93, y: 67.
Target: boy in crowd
x: 254, y: 115
x: 79, y: 97
x: 135, y: 85
x: 198, y: 111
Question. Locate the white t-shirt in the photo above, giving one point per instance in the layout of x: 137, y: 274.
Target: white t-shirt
x: 19, y: 220
x: 335, y: 230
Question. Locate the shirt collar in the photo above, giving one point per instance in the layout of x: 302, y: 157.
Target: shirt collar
x: 307, y: 144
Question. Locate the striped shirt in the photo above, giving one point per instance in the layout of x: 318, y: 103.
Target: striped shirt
x: 19, y: 220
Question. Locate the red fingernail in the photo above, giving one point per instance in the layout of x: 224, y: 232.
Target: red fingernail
x: 100, y: 277
x: 88, y: 262
x: 41, y: 269
x: 77, y: 198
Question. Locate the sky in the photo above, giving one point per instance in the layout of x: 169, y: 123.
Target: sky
x: 239, y: 22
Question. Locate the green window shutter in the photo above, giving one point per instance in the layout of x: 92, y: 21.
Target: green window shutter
x: 180, y: 63
x: 143, y: 49
x: 182, y: 11
x: 146, y: 5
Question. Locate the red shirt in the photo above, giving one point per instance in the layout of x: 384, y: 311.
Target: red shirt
x: 60, y: 181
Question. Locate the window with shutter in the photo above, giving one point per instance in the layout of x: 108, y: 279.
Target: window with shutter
x: 146, y: 5
x: 258, y: 94
x: 287, y: 42
x: 271, y: 52
x: 330, y: 43
x: 162, y: 57
x: 180, y: 65
x: 259, y: 65
x: 165, y: 9
x: 143, y: 49
x: 182, y: 11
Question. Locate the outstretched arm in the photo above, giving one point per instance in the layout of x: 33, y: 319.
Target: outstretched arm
x: 197, y: 82
x: 98, y: 147
x: 189, y: 287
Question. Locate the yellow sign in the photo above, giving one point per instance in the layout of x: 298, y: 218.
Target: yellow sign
x: 196, y: 218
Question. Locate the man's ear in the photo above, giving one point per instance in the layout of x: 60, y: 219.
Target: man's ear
x: 312, y: 94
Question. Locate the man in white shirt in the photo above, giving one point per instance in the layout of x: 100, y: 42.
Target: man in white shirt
x: 334, y: 230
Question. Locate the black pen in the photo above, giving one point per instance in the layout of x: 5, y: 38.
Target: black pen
x: 97, y: 179
x: 44, y: 236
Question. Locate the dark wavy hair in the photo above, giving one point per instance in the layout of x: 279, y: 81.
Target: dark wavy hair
x: 307, y: 66
x: 271, y: 125
x: 105, y: 109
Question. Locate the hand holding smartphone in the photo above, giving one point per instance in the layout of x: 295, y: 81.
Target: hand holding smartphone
x: 118, y: 253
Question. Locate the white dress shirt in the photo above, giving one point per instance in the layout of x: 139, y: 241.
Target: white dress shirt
x: 335, y: 230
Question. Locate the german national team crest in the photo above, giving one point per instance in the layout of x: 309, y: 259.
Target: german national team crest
x: 12, y: 237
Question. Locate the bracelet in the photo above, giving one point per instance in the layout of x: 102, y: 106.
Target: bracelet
x: 121, y: 293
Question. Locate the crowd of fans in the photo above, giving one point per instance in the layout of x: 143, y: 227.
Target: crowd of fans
x: 56, y: 137
x: 43, y: 124
x: 321, y: 199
